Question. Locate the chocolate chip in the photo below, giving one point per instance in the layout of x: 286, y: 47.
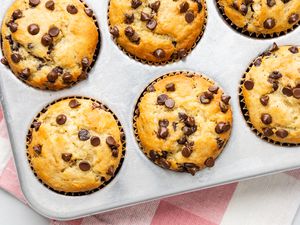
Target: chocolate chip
x: 50, y: 5
x: 58, y: 70
x: 83, y: 76
x: 275, y: 75
x: 288, y: 91
x: 74, y: 104
x: 244, y: 9
x: 66, y: 156
x: 293, y: 18
x: 16, y: 58
x: 159, y: 53
x: 89, y: 12
x: 235, y: 5
x: 162, y: 132
x: 85, y: 62
x: 110, y: 171
x: 285, y: 1
x: 271, y: 3
x: 189, y: 16
x: 161, y: 99
x: 248, y: 2
x: 46, y: 40
x: 249, y: 84
x: 189, y: 130
x: 191, y: 168
x: 210, y: 162
x: 33, y: 29
x: 114, y: 32
x: 111, y: 142
x: 145, y: 16
x: 115, y: 153
x: 129, y: 18
x: 17, y: 14
x: 153, y: 155
x: 257, y: 62
x: 34, y: 2
x: 84, y: 135
x: 53, y: 31
x: 136, y: 3
x: 37, y: 149
x: 182, y: 116
x: 182, y: 140
x: 61, y: 119
x: 266, y: 118
x: 294, y: 49
x: 95, y: 141
x: 281, y: 133
x: 72, y: 9
x: 225, y: 99
x: 129, y: 32
x: 184, y: 6
x: 84, y: 166
x: 155, y: 6
x: 52, y: 76
x: 224, y: 108
x: 174, y: 125
x: 269, y: 23
x: 296, y: 93
x: 25, y: 73
x: 190, y: 121
x: 151, y: 88
x: 182, y: 53
x: 214, y: 89
x: 268, y: 131
x: 164, y: 163
x: 273, y: 48
x: 222, y: 127
x: 135, y: 38
x: 13, y: 27
x: 264, y: 100
x: 186, y: 151
x: 170, y: 87
x: 206, y: 98
x: 220, y: 142
x: 151, y: 24
x: 4, y: 61
x: 163, y: 123
x: 36, y: 125
x: 170, y: 103
x: 67, y: 78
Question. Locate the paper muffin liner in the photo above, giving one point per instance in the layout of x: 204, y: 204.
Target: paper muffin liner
x: 122, y: 137
x: 95, y: 57
x: 145, y: 91
x: 245, y: 32
x: 246, y: 115
x: 170, y: 61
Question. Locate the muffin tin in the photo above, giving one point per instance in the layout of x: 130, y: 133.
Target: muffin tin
x: 117, y: 81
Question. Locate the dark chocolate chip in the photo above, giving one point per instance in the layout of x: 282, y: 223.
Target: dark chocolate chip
x: 83, y: 76
x: 266, y: 118
x: 159, y: 53
x: 36, y: 125
x: 136, y: 3
x: 288, y: 91
x: 170, y: 87
x: 111, y: 142
x: 89, y: 12
x: 61, y: 119
x: 182, y: 116
x: 163, y: 123
x: 294, y: 49
x: 151, y: 24
x: 46, y: 40
x: 52, y: 76
x: 67, y: 78
x: 37, y: 149
x: 296, y: 93
x: 155, y: 6
x: 264, y: 100
x: 85, y: 62
x: 95, y: 141
x: 115, y: 153
x: 170, y: 103
x: 210, y: 162
x: 84, y: 166
x: 281, y: 133
x: 199, y: 4
x: 72, y: 9
x: 161, y: 99
x: 50, y: 5
x: 186, y: 151
x: 111, y: 171
x: 182, y: 140
x: 214, y: 89
x: 189, y: 130
x: 25, y: 73
x: 53, y: 31
x: 206, y: 98
x: 145, y: 16
x: 128, y: 18
x: 17, y: 14
x: 164, y: 163
x: 153, y: 155
x: 257, y: 62
x: 34, y: 2
x: 191, y: 168
x: 220, y: 142
x: 189, y: 16
x: 275, y: 75
x: 190, y: 121
x: 248, y: 2
x: 129, y: 32
x: 66, y: 156
x: 293, y: 18
x: 235, y: 5
x: 267, y: 131
x: 162, y: 132
x: 184, y: 6
x: 16, y: 58
x: 222, y: 127
x: 84, y: 135
x: 151, y: 88
x: 182, y: 53
x: 224, y: 108
x: 33, y: 29
x: 249, y: 84
x: 271, y: 3
x: 285, y: 1
x: 13, y: 27
x: 174, y: 125
x: 244, y: 9
x: 74, y: 104
x: 225, y: 99
x: 269, y: 23
x: 114, y: 32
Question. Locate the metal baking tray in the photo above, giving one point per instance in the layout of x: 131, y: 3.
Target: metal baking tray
x: 117, y: 81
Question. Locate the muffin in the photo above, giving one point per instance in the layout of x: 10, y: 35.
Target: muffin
x: 271, y: 94
x: 49, y: 44
x: 262, y: 17
x: 75, y: 145
x: 183, y: 121
x: 157, y: 31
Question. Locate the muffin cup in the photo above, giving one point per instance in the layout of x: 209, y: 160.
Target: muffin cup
x: 253, y: 34
x: 136, y: 111
x: 95, y: 56
x: 123, y: 140
x: 143, y: 61
x: 245, y: 111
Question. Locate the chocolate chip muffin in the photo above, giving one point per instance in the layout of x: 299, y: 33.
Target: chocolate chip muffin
x: 183, y: 122
x: 157, y: 31
x: 271, y: 92
x: 262, y: 17
x: 75, y: 145
x: 49, y: 44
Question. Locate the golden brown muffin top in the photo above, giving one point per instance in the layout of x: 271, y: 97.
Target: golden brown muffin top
x: 157, y: 30
x: 271, y: 92
x: 262, y: 16
x: 49, y: 44
x: 75, y: 146
x: 183, y: 122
